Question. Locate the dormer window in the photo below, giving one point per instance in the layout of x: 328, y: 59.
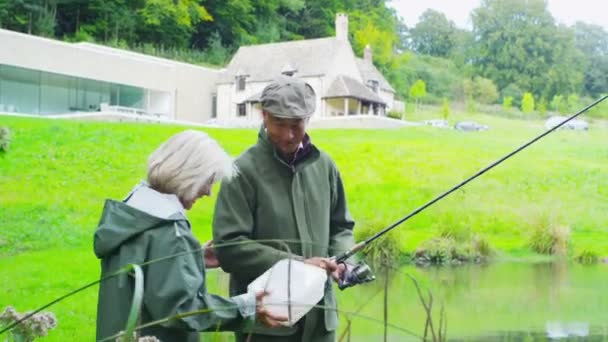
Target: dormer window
x: 288, y: 70
x: 241, y: 83
x: 373, y: 85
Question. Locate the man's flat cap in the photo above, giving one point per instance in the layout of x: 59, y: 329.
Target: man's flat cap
x: 289, y: 97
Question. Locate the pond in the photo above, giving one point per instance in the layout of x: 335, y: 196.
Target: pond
x: 505, y: 301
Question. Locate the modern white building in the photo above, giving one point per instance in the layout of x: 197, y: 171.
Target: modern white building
x: 44, y: 76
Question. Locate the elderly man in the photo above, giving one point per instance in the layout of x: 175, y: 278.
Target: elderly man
x: 288, y: 190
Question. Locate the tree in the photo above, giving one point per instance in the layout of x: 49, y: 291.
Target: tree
x: 507, y: 103
x: 418, y: 91
x: 527, y: 103
x: 434, y: 34
x: 170, y: 23
x: 517, y: 41
x: 592, y: 41
x: 481, y: 89
x: 445, y: 108
x: 558, y: 104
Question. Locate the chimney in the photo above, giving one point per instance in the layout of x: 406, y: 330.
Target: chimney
x: 342, y: 26
x: 367, y: 54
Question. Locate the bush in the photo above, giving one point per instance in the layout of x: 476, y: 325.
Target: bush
x: 587, y: 257
x: 383, y: 252
x: 527, y: 103
x: 453, y: 247
x: 445, y: 108
x: 507, y: 103
x: 5, y: 139
x: 36, y: 326
x: 550, y: 239
x: 513, y: 91
x: 395, y: 115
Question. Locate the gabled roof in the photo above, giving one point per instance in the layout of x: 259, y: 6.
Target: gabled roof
x: 369, y: 72
x: 309, y: 57
x: 344, y: 86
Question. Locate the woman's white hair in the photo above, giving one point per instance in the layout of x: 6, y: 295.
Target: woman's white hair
x: 186, y: 162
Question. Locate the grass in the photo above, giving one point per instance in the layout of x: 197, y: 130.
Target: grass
x: 56, y: 175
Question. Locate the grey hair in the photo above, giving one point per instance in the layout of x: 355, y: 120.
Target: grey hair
x: 187, y: 161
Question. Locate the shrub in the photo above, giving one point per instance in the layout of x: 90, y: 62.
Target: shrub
x: 5, y: 139
x: 395, y: 115
x: 383, y: 252
x: 36, y: 326
x: 507, y: 103
x: 550, y: 239
x: 527, y: 103
x: 587, y: 257
x: 452, y: 248
x: 445, y: 108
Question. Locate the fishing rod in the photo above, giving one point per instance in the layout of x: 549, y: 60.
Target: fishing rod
x: 359, y: 246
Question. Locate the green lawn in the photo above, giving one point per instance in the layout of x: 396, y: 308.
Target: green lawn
x: 55, y: 177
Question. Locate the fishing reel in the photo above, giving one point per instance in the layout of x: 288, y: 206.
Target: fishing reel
x: 357, y: 274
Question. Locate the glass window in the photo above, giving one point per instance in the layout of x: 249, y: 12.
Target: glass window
x: 20, y: 90
x: 240, y: 83
x: 214, y: 106
x: 241, y: 109
x: 54, y: 93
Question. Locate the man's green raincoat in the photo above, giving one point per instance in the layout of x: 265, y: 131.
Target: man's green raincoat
x: 147, y: 226
x: 271, y: 199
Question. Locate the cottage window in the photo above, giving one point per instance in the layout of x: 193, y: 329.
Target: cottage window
x: 240, y: 83
x: 241, y: 110
x: 373, y: 84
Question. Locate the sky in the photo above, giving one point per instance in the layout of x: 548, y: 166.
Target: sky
x: 564, y: 11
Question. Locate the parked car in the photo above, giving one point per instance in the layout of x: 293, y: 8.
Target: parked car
x: 469, y: 126
x: 440, y: 123
x: 574, y: 124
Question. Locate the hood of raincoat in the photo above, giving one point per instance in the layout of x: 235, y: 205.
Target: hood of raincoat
x: 143, y: 209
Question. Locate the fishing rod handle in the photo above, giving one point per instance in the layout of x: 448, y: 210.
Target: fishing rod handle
x: 342, y: 257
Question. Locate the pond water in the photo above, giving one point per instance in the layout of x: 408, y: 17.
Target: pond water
x: 505, y: 301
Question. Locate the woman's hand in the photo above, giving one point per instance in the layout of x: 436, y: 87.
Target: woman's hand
x: 209, y: 256
x: 263, y: 315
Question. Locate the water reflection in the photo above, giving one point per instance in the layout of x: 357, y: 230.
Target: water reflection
x: 507, y: 301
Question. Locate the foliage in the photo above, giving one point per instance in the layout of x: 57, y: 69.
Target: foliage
x: 450, y: 250
x: 512, y: 35
x: 395, y: 115
x: 433, y: 35
x: 550, y: 239
x: 5, y: 139
x: 386, y: 251
x: 445, y: 108
x: 592, y: 41
x: 28, y: 330
x: 587, y: 256
x: 574, y: 103
x: 481, y: 89
x: 542, y: 106
x: 507, y: 103
x: 513, y: 91
x: 471, y: 105
x: 559, y: 104
x: 599, y: 111
x: 418, y: 91
x: 527, y: 103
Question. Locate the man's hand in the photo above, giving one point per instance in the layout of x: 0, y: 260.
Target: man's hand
x: 209, y: 257
x: 263, y: 315
x: 325, y: 263
x: 338, y: 274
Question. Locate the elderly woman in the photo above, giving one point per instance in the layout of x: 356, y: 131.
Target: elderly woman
x: 150, y: 224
